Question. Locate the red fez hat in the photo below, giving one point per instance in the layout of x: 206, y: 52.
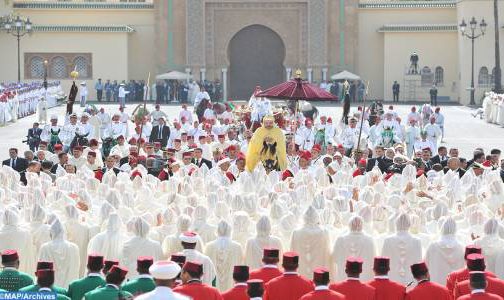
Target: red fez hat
x: 45, y: 274
x: 290, y: 258
x: 109, y: 263
x: 187, y: 154
x: 136, y: 172
x: 193, y: 146
x: 221, y: 136
x: 45, y: 265
x: 141, y: 140
x: 119, y: 271
x: 321, y: 275
x: 286, y: 174
x: 381, y: 263
x: 144, y: 262
x: 305, y: 155
x: 179, y: 258
x: 230, y: 176
x: 177, y: 140
x: 476, y: 262
x: 43, y: 143
x: 470, y: 249
x: 426, y: 148
x: 58, y: 147
x: 241, y: 270
x: 79, y: 148
x: 92, y: 153
x: 9, y: 256
x: 354, y: 264
x: 157, y: 144
x: 191, y: 266
x: 231, y: 148
x: 340, y: 146
x: 317, y: 147
x: 271, y: 253
x: 255, y: 285
x: 132, y: 141
x: 170, y: 150
x: 362, y: 161
x: 419, y: 269
x: 487, y: 163
x: 329, y: 120
x: 95, y: 261
x: 93, y: 142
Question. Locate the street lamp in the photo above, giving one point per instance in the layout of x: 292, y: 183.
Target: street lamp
x: 472, y: 35
x: 18, y: 27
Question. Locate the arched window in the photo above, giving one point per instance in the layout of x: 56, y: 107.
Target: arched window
x: 427, y: 76
x: 483, y: 76
x: 81, y: 64
x: 37, y: 67
x: 59, y: 67
x: 439, y: 76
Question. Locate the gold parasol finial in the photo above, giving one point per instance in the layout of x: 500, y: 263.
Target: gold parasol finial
x: 298, y: 73
x: 74, y: 74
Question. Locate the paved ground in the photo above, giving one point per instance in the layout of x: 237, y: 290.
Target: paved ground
x: 461, y: 129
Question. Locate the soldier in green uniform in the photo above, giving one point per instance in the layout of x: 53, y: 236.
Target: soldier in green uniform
x: 45, y: 281
x: 94, y: 279
x: 34, y: 287
x: 144, y: 282
x: 108, y: 264
x: 10, y: 278
x: 112, y: 290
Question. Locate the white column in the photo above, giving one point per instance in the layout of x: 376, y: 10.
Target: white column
x: 310, y: 74
x: 288, y: 73
x: 202, y: 74
x: 324, y: 74
x: 224, y: 84
x: 188, y: 72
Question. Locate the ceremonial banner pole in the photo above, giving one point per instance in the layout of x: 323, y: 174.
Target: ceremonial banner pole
x: 362, y: 116
x: 144, y: 110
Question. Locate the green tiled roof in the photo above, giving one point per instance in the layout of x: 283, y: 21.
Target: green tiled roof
x: 83, y: 28
x: 83, y: 5
x: 409, y: 4
x: 418, y: 27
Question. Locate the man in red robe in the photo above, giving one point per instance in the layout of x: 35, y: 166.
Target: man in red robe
x: 425, y: 289
x: 255, y: 289
x: 192, y: 285
x: 352, y: 287
x: 478, y: 288
x: 385, y: 289
x: 239, y: 291
x: 322, y: 291
x: 476, y: 263
x: 291, y: 285
x: 270, y: 268
x: 180, y: 259
x: 462, y: 274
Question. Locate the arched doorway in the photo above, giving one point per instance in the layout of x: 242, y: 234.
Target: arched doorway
x: 256, y: 55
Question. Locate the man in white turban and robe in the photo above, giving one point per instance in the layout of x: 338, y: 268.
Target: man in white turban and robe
x: 109, y: 242
x: 77, y: 233
x: 189, y: 240
x: 403, y: 250
x: 139, y: 245
x: 491, y: 244
x: 445, y: 255
x: 225, y: 254
x: 255, y: 246
x: 64, y: 255
x: 312, y: 243
x: 354, y: 244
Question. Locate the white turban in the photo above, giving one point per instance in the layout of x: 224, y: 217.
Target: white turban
x: 403, y: 222
x: 224, y: 229
x: 140, y: 227
x: 311, y: 216
x: 57, y: 230
x: 449, y: 227
x: 356, y: 223
x: 263, y: 226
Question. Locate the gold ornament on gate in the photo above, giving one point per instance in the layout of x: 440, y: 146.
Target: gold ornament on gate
x: 74, y: 74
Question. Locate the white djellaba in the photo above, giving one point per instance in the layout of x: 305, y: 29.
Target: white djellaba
x: 14, y: 236
x: 225, y: 254
x: 77, y: 233
x: 61, y: 252
x: 403, y: 250
x: 201, y: 226
x: 491, y: 244
x: 109, y: 242
x: 445, y: 255
x: 39, y: 229
x: 139, y: 245
x: 357, y: 244
x: 172, y: 243
x: 311, y: 242
x: 263, y: 239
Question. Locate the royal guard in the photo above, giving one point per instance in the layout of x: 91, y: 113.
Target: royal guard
x: 180, y: 259
x: 385, y: 289
x: 322, y: 291
x: 290, y: 285
x: 108, y: 264
x: 164, y: 274
x: 10, y: 278
x: 425, y: 289
x: 41, y: 265
x: 479, y: 288
x: 78, y: 288
x: 239, y: 291
x: 45, y: 282
x: 111, y: 290
x: 463, y: 274
x: 476, y: 263
x: 352, y: 287
x: 270, y: 269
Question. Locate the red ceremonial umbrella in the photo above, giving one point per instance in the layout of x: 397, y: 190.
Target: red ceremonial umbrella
x: 297, y: 89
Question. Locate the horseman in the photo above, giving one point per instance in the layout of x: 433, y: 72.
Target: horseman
x: 50, y: 133
x: 67, y: 134
x: 268, y: 146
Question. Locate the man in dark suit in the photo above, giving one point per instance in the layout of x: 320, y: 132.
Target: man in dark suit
x: 160, y: 133
x: 110, y: 165
x: 62, y: 161
x: 17, y: 163
x: 378, y: 154
x: 440, y: 158
x: 33, y: 137
x: 199, y: 160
